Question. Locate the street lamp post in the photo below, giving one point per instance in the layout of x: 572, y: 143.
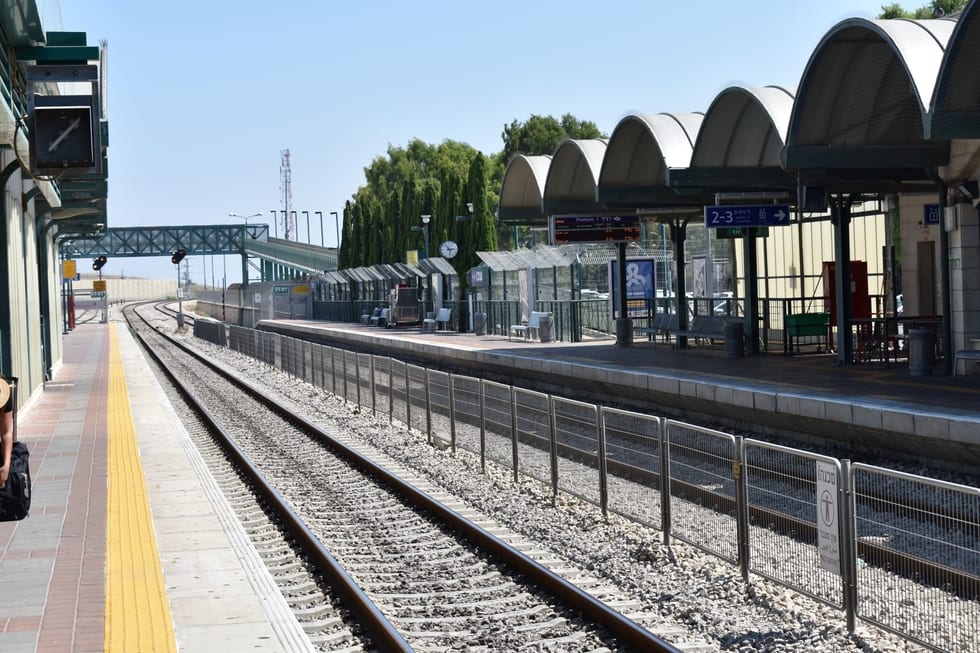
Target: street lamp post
x: 309, y: 239
x: 336, y: 224
x: 466, y: 218
x: 246, y: 218
x: 285, y: 225
x: 320, y: 213
x: 425, y: 233
x: 275, y: 227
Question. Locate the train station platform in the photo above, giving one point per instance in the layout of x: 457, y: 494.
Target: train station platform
x: 129, y: 545
x: 871, y: 406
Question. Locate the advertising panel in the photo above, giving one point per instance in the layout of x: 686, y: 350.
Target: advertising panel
x: 641, y: 287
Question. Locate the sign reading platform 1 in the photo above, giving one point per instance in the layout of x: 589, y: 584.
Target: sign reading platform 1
x: 762, y: 215
x: 594, y: 228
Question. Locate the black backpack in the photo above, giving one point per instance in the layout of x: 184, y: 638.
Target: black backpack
x: 15, y: 495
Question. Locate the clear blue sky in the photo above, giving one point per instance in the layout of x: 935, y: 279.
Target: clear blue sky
x: 203, y: 96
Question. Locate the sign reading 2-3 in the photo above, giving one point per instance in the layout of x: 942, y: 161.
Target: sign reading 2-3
x: 763, y: 215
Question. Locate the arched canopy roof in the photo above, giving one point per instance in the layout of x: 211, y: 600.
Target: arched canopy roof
x: 955, y: 109
x: 858, y: 120
x: 740, y: 142
x: 572, y: 177
x: 522, y: 190
x: 640, y: 151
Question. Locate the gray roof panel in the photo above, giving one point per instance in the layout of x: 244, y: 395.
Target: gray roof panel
x: 522, y: 190
x: 572, y: 177
x: 744, y: 127
x: 640, y: 151
x: 955, y: 106
x: 867, y: 83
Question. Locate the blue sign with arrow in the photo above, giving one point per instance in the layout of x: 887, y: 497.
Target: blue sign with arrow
x: 762, y: 215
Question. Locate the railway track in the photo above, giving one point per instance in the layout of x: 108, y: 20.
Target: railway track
x: 696, y: 477
x: 437, y: 576
x: 930, y: 560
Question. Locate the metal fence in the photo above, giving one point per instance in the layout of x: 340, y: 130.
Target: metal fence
x: 893, y: 549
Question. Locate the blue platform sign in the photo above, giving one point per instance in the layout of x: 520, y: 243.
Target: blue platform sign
x: 762, y: 215
x: 930, y: 214
x: 641, y: 286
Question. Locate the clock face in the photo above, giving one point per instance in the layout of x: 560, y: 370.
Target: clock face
x: 448, y: 249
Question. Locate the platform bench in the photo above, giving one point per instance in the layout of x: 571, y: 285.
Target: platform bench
x: 431, y: 324
x: 530, y: 329
x: 705, y: 327
x: 965, y: 355
x: 663, y: 324
x: 368, y: 318
x: 381, y: 319
x: 803, y: 325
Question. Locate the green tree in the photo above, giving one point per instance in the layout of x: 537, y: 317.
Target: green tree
x: 935, y: 9
x: 440, y: 180
x: 344, y: 257
x: 483, y: 226
x: 542, y: 134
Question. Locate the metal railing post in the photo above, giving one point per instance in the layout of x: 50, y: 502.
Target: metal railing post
x: 742, y: 508
x: 553, y: 445
x: 665, y: 481
x: 344, y: 371
x: 452, y: 412
x: 603, y: 472
x: 848, y: 535
x: 513, y: 431
x: 483, y: 427
x: 428, y: 407
x: 408, y: 398
x: 374, y: 387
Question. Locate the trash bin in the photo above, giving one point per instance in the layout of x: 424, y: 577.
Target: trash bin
x: 480, y: 324
x: 922, y: 352
x: 734, y: 339
x: 546, y: 328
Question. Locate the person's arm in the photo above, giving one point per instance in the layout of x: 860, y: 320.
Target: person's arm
x: 6, y: 443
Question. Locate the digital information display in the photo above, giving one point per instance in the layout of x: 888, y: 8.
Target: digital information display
x: 594, y: 229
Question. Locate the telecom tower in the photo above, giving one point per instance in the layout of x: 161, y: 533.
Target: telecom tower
x: 286, y: 188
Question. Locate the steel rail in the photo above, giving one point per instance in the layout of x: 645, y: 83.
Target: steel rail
x: 963, y: 583
x: 620, y: 627
x: 380, y: 631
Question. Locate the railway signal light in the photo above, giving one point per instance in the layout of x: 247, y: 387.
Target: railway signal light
x: 98, y: 262
x: 178, y: 256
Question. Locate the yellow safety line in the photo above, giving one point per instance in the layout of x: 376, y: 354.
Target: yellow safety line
x: 137, y: 613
